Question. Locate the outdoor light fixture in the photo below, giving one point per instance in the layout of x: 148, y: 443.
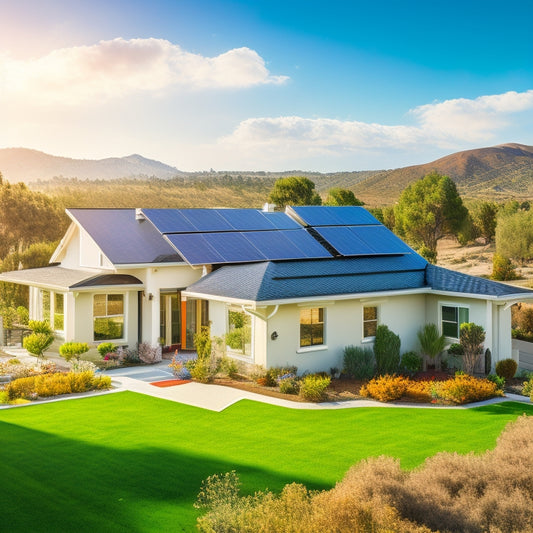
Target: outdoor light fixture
x: 274, y: 335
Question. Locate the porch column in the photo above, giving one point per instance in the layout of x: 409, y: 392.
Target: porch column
x: 489, y: 326
x: 184, y: 322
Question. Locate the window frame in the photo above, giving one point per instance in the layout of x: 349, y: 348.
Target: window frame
x: 107, y: 315
x: 457, y: 322
x: 322, y: 323
x: 369, y: 338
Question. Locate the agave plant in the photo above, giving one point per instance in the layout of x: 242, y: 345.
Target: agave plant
x: 431, y: 343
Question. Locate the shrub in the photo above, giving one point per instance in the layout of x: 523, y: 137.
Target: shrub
x: 432, y: 343
x: 129, y: 356
x: 229, y: 367
x: 498, y: 380
x: 358, y: 362
x: 411, y: 363
x: 506, y: 368
x: 179, y: 368
x: 313, y: 387
x: 527, y: 389
x: 40, y: 326
x: 385, y: 388
x: 289, y: 384
x: 386, y: 350
x: 149, y: 354
x: 23, y: 315
x: 79, y: 366
x: 419, y: 391
x: 38, y: 343
x: 202, y: 342
x: 202, y: 370
x: 106, y: 347
x: 503, y: 269
x: 472, y: 337
x: 275, y: 372
x: 464, y: 388
x: 71, y: 349
x: 56, y: 384
x: 455, y: 349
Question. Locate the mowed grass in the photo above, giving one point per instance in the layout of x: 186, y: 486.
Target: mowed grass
x: 128, y: 462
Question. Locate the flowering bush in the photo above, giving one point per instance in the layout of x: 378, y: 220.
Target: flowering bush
x: 78, y: 366
x: 385, y: 388
x: 20, y: 370
x: 464, y: 388
x: 46, y: 385
x: 178, y: 368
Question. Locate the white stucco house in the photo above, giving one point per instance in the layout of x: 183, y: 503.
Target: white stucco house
x: 281, y: 288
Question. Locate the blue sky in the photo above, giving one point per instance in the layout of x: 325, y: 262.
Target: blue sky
x: 265, y: 85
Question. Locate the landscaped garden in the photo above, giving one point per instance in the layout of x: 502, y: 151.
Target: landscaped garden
x: 127, y: 462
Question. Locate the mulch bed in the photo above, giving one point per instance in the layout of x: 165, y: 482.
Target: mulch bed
x: 170, y: 382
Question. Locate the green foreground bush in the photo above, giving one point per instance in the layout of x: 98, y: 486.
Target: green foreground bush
x: 449, y: 492
x: 313, y: 387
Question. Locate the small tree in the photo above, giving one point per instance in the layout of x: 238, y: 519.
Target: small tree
x: 71, y: 349
x: 472, y: 338
x: 502, y: 268
x: 386, y: 350
x: 38, y: 343
x: 338, y: 196
x: 431, y: 344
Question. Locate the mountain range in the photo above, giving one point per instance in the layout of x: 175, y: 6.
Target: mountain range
x: 23, y: 164
x: 498, y: 172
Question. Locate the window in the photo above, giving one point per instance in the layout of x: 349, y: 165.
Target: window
x: 239, y: 335
x: 370, y: 321
x: 108, y: 314
x: 59, y: 312
x: 312, y: 326
x: 452, y: 318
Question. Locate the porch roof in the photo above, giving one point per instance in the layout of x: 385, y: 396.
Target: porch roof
x: 66, y: 279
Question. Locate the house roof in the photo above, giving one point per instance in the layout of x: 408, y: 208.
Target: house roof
x: 277, y: 281
x: 65, y: 279
x: 124, y: 239
x: 442, y: 279
x: 295, y: 279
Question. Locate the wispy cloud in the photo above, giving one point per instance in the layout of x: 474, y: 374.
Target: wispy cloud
x: 119, y: 67
x: 447, y: 124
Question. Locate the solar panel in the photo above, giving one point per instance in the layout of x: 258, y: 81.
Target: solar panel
x: 206, y: 220
x: 168, y: 220
x: 381, y: 239
x: 194, y: 248
x: 309, y: 246
x: 345, y: 241
x: 234, y: 247
x: 246, y: 219
x: 333, y: 216
x: 281, y: 220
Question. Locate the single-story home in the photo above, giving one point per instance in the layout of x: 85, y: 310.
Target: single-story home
x: 280, y: 288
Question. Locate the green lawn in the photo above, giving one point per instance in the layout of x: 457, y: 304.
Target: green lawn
x: 128, y: 462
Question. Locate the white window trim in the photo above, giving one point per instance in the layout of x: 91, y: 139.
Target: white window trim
x: 372, y: 338
x: 314, y: 347
x: 124, y: 314
x: 451, y: 304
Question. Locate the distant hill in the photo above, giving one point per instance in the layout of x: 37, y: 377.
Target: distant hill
x: 499, y: 172
x: 22, y: 164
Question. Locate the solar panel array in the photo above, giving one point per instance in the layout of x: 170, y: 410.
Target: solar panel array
x: 221, y: 236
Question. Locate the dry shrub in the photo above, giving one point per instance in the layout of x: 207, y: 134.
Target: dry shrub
x: 385, y: 388
x: 464, y: 388
x: 452, y: 493
x: 419, y: 391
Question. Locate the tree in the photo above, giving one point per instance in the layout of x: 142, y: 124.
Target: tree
x: 338, y: 196
x: 71, y: 349
x: 514, y: 235
x: 386, y: 350
x: 472, y: 338
x: 294, y: 190
x: 484, y: 218
x: 429, y: 210
x: 502, y: 268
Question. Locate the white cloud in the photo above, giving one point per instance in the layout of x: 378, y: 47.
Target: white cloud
x: 444, y: 125
x: 117, y: 68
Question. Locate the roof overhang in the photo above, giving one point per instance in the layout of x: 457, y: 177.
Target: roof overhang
x: 61, y: 279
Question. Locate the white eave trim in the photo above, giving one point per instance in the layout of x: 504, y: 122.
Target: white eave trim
x: 225, y: 299
x: 107, y: 288
x: 517, y: 297
x: 130, y: 266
